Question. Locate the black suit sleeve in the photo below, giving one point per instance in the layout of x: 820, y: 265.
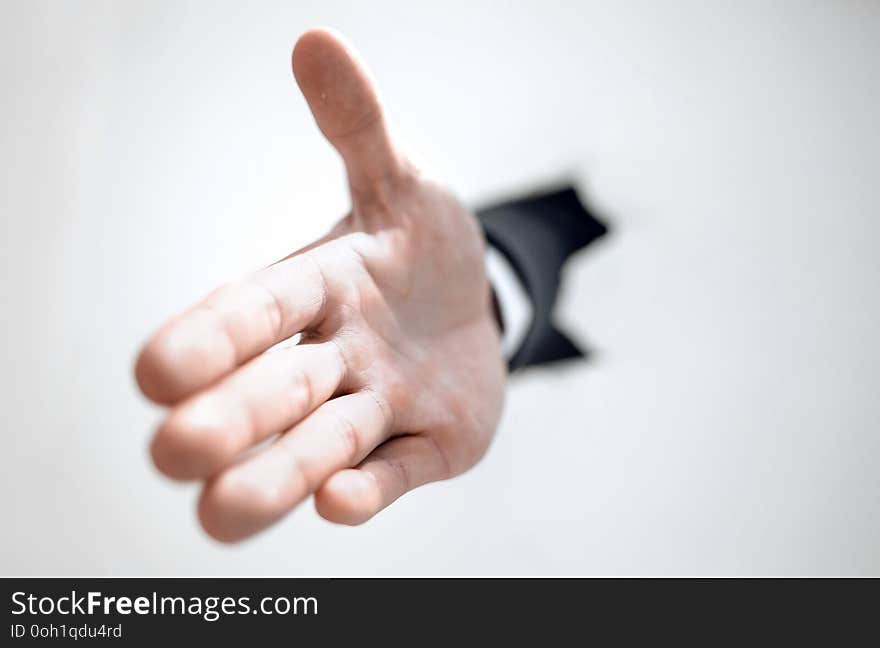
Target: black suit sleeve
x: 537, y: 234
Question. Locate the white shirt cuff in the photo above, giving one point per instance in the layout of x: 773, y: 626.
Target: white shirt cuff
x: 516, y: 307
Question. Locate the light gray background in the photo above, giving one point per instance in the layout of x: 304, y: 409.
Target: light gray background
x: 151, y: 150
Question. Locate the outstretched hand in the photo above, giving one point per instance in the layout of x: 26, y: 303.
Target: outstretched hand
x: 397, y: 377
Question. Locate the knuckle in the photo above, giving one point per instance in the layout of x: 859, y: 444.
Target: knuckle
x: 274, y: 309
x: 301, y: 393
x: 401, y: 471
x: 446, y: 469
x: 385, y: 409
x: 346, y: 436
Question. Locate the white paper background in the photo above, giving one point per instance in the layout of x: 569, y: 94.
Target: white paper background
x: 731, y: 421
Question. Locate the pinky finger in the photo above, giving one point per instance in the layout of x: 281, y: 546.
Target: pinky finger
x: 354, y: 495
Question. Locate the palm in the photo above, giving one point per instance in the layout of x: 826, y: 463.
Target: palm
x: 426, y: 292
x: 397, y: 379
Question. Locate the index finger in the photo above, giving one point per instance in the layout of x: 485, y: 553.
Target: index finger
x: 230, y: 326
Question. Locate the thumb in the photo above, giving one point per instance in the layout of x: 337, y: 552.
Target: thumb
x: 346, y: 107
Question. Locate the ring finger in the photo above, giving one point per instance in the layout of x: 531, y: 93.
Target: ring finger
x: 263, y: 488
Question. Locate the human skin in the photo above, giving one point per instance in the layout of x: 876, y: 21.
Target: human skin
x: 398, y: 377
